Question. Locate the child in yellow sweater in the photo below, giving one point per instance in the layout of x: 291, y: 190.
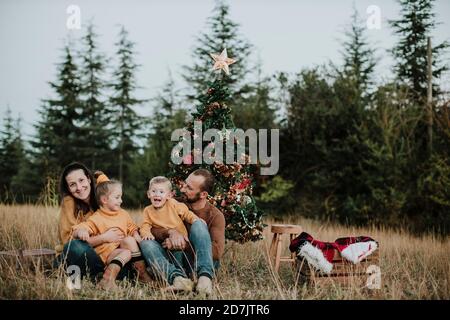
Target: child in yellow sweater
x: 164, y: 212
x: 110, y: 215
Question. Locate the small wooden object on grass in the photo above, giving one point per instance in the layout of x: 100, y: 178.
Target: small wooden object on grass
x: 344, y: 272
x: 276, y: 246
x: 29, y: 258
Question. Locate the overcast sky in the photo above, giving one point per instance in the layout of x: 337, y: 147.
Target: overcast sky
x: 288, y: 35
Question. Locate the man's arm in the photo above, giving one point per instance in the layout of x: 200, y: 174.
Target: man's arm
x: 217, y: 232
x: 160, y: 234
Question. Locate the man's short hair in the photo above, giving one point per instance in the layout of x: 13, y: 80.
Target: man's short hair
x: 160, y: 179
x: 208, y: 184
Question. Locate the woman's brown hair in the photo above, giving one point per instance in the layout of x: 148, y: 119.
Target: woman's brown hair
x: 64, y: 188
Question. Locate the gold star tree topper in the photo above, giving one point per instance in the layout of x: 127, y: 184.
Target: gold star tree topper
x: 221, y: 61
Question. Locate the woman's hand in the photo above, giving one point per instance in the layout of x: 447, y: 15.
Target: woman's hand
x: 82, y: 234
x: 113, y: 235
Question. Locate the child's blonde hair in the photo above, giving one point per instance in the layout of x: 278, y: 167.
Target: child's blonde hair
x: 104, y: 189
x: 158, y: 180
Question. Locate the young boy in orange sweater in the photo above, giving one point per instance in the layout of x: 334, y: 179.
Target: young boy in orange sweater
x: 110, y: 215
x: 164, y: 212
x: 167, y: 213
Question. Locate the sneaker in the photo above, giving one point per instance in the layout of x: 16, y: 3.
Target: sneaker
x: 181, y: 284
x: 204, y: 286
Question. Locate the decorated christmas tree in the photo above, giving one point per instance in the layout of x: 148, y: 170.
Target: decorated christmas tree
x: 234, y: 179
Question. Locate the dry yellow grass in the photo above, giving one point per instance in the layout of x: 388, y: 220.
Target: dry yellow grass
x: 411, y: 267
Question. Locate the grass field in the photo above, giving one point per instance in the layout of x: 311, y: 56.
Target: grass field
x: 411, y: 267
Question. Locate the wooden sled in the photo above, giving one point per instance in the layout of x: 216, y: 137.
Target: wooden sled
x: 344, y: 272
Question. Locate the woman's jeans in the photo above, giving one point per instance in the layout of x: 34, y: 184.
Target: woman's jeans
x: 167, y: 264
x: 83, y: 255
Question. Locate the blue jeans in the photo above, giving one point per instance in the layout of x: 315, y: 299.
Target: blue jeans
x: 81, y: 253
x: 202, y: 262
x: 167, y: 264
x: 159, y: 263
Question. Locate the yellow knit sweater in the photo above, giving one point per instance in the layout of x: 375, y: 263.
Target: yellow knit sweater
x: 101, y: 221
x: 69, y: 218
x: 170, y: 216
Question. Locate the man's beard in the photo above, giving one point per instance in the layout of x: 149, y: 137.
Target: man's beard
x: 194, y: 199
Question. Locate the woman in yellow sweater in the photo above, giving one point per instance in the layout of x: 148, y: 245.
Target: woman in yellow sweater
x: 78, y: 203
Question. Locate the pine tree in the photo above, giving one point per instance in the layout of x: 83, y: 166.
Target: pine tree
x: 258, y: 109
x: 11, y: 154
x: 21, y: 188
x: 413, y: 28
x: 124, y: 118
x: 60, y: 139
x: 222, y: 33
x: 95, y: 112
x: 359, y: 60
x: 166, y: 117
x: 234, y: 185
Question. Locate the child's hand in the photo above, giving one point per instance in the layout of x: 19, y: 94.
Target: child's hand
x: 82, y: 234
x: 137, y: 237
x: 149, y: 237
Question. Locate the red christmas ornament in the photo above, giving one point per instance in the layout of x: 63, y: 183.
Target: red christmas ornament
x: 188, y: 159
x: 243, y: 184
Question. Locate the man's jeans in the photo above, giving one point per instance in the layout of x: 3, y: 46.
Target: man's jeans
x: 167, y: 264
x: 80, y: 253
